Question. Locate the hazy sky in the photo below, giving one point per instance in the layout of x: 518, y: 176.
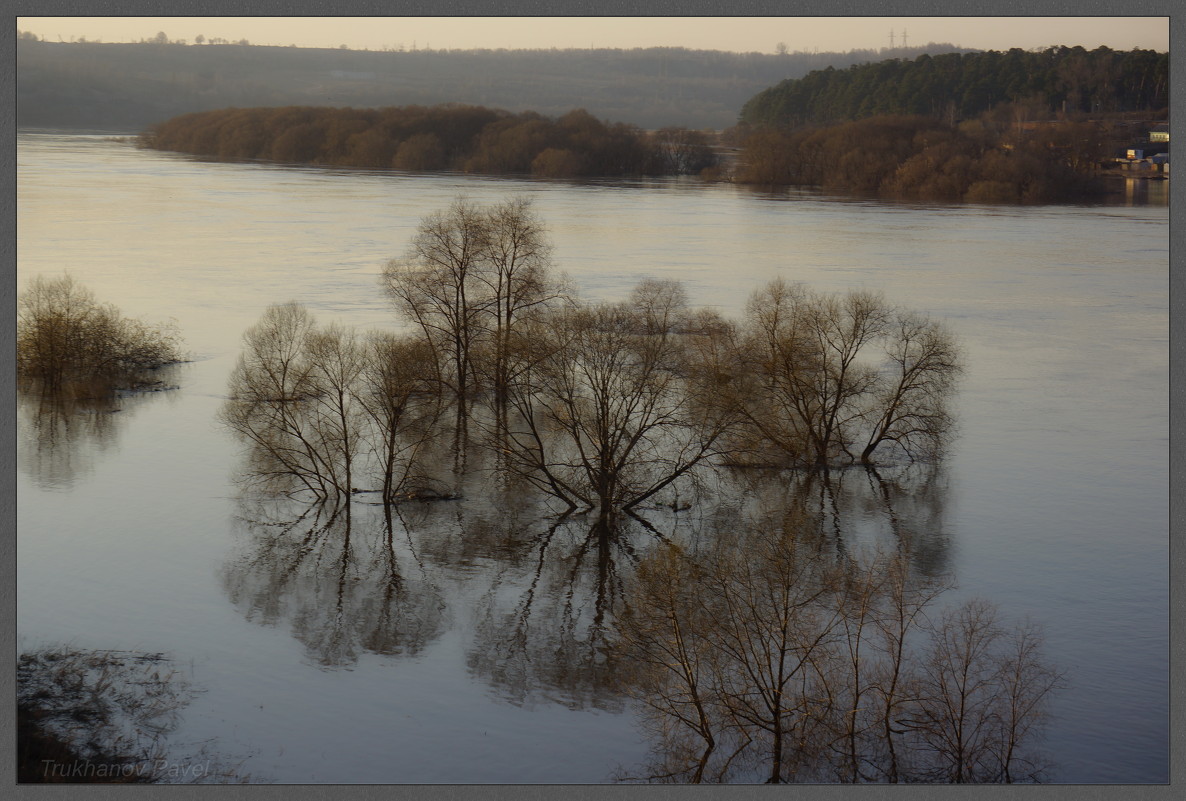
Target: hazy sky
x: 742, y: 34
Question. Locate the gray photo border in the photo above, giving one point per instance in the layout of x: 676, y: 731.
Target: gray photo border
x: 787, y: 8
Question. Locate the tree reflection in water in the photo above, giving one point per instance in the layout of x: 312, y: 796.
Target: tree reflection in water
x: 787, y: 627
x: 64, y: 435
x: 782, y: 650
x: 889, y: 507
x: 345, y: 581
x: 544, y: 627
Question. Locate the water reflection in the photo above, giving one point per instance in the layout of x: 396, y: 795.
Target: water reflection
x: 891, y: 508
x: 544, y: 627
x: 347, y: 581
x: 544, y: 593
x: 789, y: 630
x: 1145, y: 192
x: 782, y: 651
x: 62, y: 437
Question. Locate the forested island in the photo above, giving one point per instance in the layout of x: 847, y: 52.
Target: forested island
x: 447, y: 137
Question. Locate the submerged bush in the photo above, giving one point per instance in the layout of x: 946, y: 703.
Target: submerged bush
x: 70, y: 343
x: 106, y: 716
x: 95, y: 716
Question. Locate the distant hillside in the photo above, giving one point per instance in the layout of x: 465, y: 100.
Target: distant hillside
x: 956, y: 86
x: 127, y: 87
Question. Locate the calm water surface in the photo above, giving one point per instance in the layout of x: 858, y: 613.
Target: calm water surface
x: 373, y: 663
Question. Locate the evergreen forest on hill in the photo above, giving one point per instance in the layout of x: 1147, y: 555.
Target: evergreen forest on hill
x: 962, y: 85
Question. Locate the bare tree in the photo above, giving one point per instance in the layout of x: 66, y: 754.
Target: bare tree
x: 269, y: 390
x: 1027, y: 682
x: 336, y: 360
x: 325, y: 408
x: 440, y: 287
x: 737, y: 644
x: 810, y: 390
x: 402, y: 400
x: 763, y: 384
x: 779, y: 628
x: 812, y: 344
x: 605, y: 416
x: 923, y: 363
x: 472, y: 278
x: 764, y: 657
x: 980, y: 699
x: 954, y: 716
x: 891, y: 687
x: 520, y: 281
x: 670, y: 668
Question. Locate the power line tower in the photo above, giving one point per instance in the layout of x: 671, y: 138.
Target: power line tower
x: 903, y: 37
x: 891, y: 38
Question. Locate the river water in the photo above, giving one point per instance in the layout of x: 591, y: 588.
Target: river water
x: 132, y: 532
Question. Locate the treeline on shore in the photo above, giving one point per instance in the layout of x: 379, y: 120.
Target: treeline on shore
x: 445, y: 137
x: 998, y: 127
x: 992, y: 159
x: 988, y: 127
x: 958, y: 86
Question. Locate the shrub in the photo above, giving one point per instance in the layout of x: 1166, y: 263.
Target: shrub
x: 68, y: 342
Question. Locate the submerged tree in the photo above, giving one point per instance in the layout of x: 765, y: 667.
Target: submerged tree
x: 982, y: 692
x: 401, y: 398
x: 519, y: 279
x: 321, y: 406
x: 269, y: 392
x: 69, y: 342
x: 472, y: 276
x: 439, y: 289
x: 809, y: 389
x: 601, y: 406
x: 922, y: 364
x: 608, y: 406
